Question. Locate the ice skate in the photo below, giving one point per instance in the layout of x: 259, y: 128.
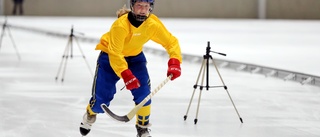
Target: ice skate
x: 88, y: 120
x: 143, y: 131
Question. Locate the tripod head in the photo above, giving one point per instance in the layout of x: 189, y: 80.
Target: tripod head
x: 4, y: 25
x: 72, y: 32
x: 208, y: 50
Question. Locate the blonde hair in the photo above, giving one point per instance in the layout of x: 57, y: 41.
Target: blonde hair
x: 123, y: 11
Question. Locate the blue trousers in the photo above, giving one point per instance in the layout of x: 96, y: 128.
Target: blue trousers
x: 104, y: 84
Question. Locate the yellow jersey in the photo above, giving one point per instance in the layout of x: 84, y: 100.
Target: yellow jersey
x: 124, y: 40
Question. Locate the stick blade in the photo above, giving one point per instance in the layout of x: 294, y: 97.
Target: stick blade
x: 112, y: 115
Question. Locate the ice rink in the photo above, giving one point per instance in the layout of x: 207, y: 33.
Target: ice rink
x: 33, y: 103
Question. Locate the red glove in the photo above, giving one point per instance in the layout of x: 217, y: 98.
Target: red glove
x: 130, y: 80
x: 174, y: 68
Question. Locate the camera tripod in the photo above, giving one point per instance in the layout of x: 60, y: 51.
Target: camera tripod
x: 5, y: 27
x: 69, y: 52
x: 205, y: 70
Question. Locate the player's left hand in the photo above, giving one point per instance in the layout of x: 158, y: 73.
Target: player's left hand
x: 174, y: 68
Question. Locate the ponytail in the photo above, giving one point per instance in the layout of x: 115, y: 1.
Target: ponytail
x: 122, y: 11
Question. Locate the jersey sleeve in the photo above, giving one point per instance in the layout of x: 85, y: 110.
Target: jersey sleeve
x: 163, y: 37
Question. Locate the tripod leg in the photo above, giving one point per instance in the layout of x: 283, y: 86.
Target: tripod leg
x: 84, y: 57
x: 194, y: 89
x: 201, y: 87
x: 14, y: 45
x: 63, y: 59
x: 69, y: 46
x: 225, y: 87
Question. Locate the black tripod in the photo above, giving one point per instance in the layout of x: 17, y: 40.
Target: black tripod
x: 5, y: 27
x: 205, y: 70
x: 69, y: 52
